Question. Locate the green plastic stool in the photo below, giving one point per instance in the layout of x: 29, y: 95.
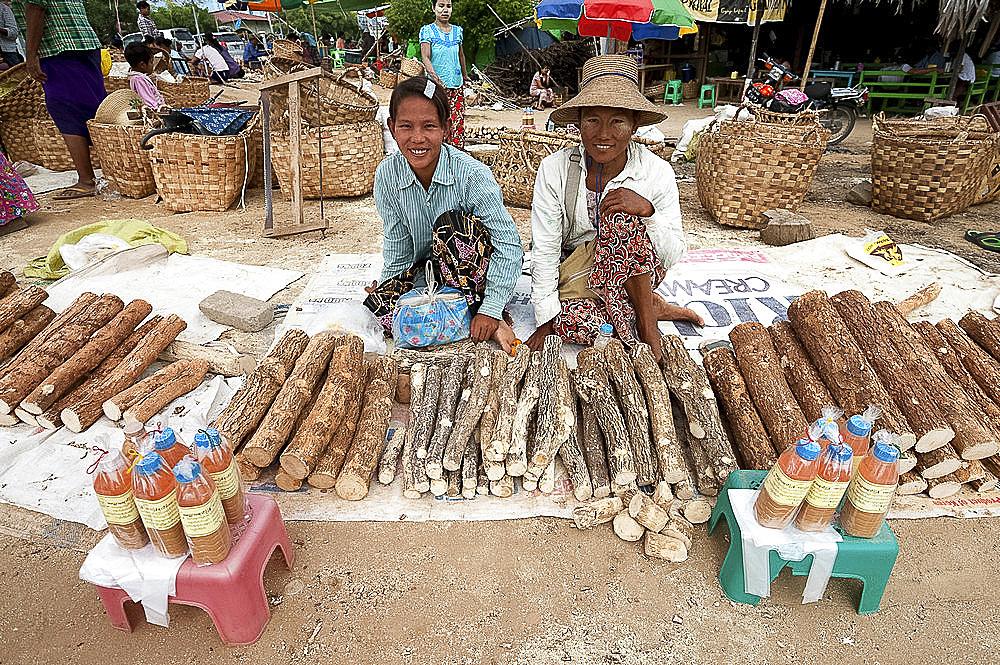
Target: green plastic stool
x: 673, y: 92
x: 338, y: 58
x: 709, y: 98
x: 867, y: 559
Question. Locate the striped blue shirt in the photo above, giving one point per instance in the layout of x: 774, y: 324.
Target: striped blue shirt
x: 460, y: 182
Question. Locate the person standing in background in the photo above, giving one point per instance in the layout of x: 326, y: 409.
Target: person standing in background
x: 8, y: 36
x: 444, y: 60
x: 63, y: 53
x: 147, y: 26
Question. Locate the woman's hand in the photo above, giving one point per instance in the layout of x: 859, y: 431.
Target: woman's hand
x: 35, y: 68
x: 537, y: 338
x: 625, y: 201
x: 369, y: 289
x: 483, y: 327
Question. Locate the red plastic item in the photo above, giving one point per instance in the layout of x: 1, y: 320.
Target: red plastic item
x: 232, y: 592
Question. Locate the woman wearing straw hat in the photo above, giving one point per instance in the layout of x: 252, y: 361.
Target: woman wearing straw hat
x: 605, y: 218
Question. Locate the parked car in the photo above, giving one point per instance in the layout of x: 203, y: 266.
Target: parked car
x: 183, y: 40
x: 231, y: 41
x: 132, y: 37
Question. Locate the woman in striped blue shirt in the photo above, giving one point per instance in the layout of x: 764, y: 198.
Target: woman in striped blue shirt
x: 438, y: 203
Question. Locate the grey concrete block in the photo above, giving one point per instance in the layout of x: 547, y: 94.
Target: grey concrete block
x: 860, y: 194
x: 237, y: 310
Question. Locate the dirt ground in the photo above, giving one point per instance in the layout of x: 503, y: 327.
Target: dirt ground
x: 523, y: 591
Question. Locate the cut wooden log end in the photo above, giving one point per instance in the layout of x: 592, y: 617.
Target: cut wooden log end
x: 943, y: 486
x: 627, y: 528
x: 25, y: 417
x: 911, y: 483
x: 663, y: 495
x: 697, y: 511
x: 938, y: 462
x: 662, y: 546
x: 502, y: 488
x: 248, y: 471
x: 987, y: 483
x: 907, y: 461
x: 598, y: 511
x: 286, y: 482
x: 933, y: 439
x: 647, y: 512
x: 438, y: 486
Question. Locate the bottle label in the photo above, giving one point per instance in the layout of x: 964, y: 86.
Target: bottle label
x: 161, y: 514
x: 869, y: 497
x: 118, y: 509
x: 825, y: 493
x: 228, y: 481
x: 203, y: 520
x: 784, y: 490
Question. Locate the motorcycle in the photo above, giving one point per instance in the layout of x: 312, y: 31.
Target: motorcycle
x: 840, y: 106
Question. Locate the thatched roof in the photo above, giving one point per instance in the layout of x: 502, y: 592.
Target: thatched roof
x: 960, y: 18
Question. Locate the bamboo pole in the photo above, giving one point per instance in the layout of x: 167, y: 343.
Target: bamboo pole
x: 812, y: 45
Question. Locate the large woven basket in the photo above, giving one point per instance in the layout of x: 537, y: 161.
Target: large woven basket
x: 52, y: 151
x: 745, y: 168
x: 286, y: 49
x: 325, y: 100
x: 387, y: 79
x: 516, y: 164
x: 350, y: 154
x: 20, y: 95
x: 656, y: 91
x: 807, y: 117
x: 201, y: 172
x: 409, y: 67
x: 125, y: 164
x: 189, y: 92
x: 18, y: 136
x: 929, y: 169
x: 112, y: 83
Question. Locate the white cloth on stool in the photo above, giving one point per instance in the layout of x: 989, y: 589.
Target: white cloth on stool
x: 146, y: 576
x: 791, y: 545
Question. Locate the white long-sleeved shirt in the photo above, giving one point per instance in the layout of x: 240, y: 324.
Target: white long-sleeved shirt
x: 645, y: 174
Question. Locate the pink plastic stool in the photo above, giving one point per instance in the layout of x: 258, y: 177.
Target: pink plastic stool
x: 232, y: 592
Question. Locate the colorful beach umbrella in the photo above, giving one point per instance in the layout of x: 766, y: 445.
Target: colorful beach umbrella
x: 618, y: 19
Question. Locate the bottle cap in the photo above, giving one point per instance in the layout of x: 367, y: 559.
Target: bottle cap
x: 202, y: 440
x: 885, y: 452
x: 149, y: 464
x: 133, y: 427
x: 214, y: 435
x: 807, y: 450
x: 187, y: 470
x: 164, y: 439
x: 113, y: 460
x: 841, y: 453
x: 858, y: 426
x: 607, y: 329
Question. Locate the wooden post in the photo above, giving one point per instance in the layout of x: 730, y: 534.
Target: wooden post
x: 812, y: 45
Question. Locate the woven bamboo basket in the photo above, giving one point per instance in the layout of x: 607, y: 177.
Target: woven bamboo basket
x: 286, y: 49
x: 325, y: 101
x: 350, y: 154
x: 411, y: 67
x: 484, y: 152
x: 807, y: 117
x: 745, y: 168
x: 112, y: 83
x: 689, y: 90
x: 18, y: 138
x: 656, y: 91
x: 52, y: 151
x: 191, y: 91
x: 201, y: 172
x: 125, y: 164
x: 387, y: 79
x: 20, y: 95
x: 516, y: 164
x: 930, y: 169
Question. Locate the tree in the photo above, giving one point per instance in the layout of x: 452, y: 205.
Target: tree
x: 101, y: 14
x: 329, y: 21
x: 178, y: 15
x: 478, y: 23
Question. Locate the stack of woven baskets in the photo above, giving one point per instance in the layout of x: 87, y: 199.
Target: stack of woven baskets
x: 189, y: 91
x: 929, y: 169
x: 340, y: 144
x: 516, y: 164
x: 745, y: 168
x: 116, y: 131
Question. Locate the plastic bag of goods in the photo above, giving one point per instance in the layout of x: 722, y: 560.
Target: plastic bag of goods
x: 430, y: 316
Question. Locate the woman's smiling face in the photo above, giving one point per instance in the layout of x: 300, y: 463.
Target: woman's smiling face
x: 419, y: 133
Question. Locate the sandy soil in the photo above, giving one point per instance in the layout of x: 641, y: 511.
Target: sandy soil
x: 527, y: 591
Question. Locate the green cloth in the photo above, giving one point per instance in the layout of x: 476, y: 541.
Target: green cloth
x: 133, y: 231
x: 66, y: 26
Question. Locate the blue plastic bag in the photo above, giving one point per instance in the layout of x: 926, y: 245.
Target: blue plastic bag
x: 430, y: 316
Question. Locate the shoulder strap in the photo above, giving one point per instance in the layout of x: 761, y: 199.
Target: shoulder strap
x: 572, y: 191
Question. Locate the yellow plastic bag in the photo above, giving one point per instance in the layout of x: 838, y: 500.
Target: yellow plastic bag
x: 105, y: 61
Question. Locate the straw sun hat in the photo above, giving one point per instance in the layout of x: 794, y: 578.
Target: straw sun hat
x: 611, y: 81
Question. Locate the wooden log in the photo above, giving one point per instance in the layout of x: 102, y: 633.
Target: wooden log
x: 410, y: 464
x: 679, y: 527
x: 497, y: 448
x: 454, y: 480
x: 24, y: 374
x: 971, y: 470
x: 647, y: 512
x: 841, y: 364
x: 18, y: 303
x: 761, y: 369
x: 670, y: 461
x: 697, y: 511
x: 592, y: 443
x: 488, y: 423
x: 684, y: 489
x: 220, y: 359
x: 924, y: 296
x: 472, y: 407
x: 425, y: 422
x: 51, y: 418
x: 565, y: 420
x: 665, y: 547
x: 362, y: 457
x: 81, y: 304
x: 599, y: 511
x: 943, y: 486
x: 984, y: 332
x: 7, y: 282
x: 576, y: 465
x: 503, y: 488
x: 450, y: 394
x: 115, y: 406
x: 938, y: 462
x: 547, y: 479
x: 634, y: 409
x: 547, y: 420
x: 248, y: 471
x: 911, y: 483
x: 333, y: 401
x: 470, y: 468
x: 266, y: 443
x: 595, y: 389
x: 23, y: 330
x: 186, y: 375
x: 627, y: 528
x: 524, y: 414
x: 286, y: 482
x: 249, y: 405
x: 688, y: 381
x: 324, y: 476
x: 800, y: 374
x: 753, y: 445
x: 907, y: 461
x: 517, y: 457
x: 983, y: 368
x: 87, y: 358
x: 418, y: 372
x: 975, y: 437
x: 625, y: 492
x: 988, y: 483
x: 912, y: 396
x: 389, y: 459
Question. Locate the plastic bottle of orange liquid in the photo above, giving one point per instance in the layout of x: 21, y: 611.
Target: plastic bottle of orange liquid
x: 156, y: 498
x: 201, y: 511
x: 826, y: 491
x: 169, y: 447
x: 217, y: 460
x: 857, y: 432
x: 786, y: 484
x: 871, y: 490
x: 113, y: 487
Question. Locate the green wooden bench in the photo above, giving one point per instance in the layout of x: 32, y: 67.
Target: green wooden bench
x: 905, y: 96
